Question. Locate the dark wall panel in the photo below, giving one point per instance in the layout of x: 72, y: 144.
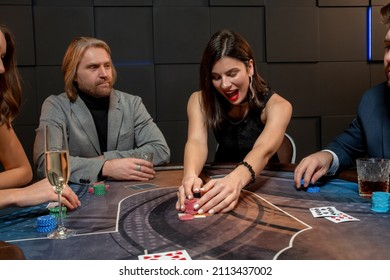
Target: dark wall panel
x: 342, y: 84
x: 377, y: 74
x: 343, y: 3
x: 176, y: 134
x: 138, y: 80
x: 49, y: 81
x: 343, y: 34
x: 333, y: 125
x: 182, y: 38
x: 297, y: 82
x: 123, y: 3
x: 236, y: 3
x: 55, y: 27
x: 19, y: 20
x: 290, y: 3
x: 379, y: 31
x: 132, y: 41
x: 29, y: 110
x: 174, y: 85
x: 292, y: 34
x: 249, y: 22
x: 306, y: 135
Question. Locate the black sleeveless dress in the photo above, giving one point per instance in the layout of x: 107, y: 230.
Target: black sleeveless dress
x: 236, y: 139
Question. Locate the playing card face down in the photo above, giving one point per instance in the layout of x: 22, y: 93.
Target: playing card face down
x: 171, y: 255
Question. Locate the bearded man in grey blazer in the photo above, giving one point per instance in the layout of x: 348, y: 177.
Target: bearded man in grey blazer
x: 105, y: 126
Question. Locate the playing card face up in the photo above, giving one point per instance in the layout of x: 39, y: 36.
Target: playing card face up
x: 341, y: 218
x: 325, y: 211
x: 171, y: 255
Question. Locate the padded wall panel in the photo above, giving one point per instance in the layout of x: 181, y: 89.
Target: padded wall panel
x: 298, y: 83
x: 132, y: 41
x: 377, y: 74
x: 331, y: 126
x: 306, y: 135
x: 55, y: 27
x: 15, y: 2
x: 122, y: 3
x: 28, y: 114
x: 63, y: 3
x: 181, y: 3
x: 291, y: 3
x: 49, y: 82
x: 379, y: 2
x: 292, y: 34
x: 341, y: 86
x: 180, y: 34
x: 174, y: 85
x: 138, y: 80
x: 175, y: 134
x: 343, y: 34
x: 341, y: 3
x: 249, y: 22
x: 26, y: 135
x: 19, y: 21
x: 379, y: 31
x: 236, y: 2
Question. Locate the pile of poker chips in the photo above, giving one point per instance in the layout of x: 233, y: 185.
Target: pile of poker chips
x: 190, y: 212
x: 55, y: 211
x: 380, y: 202
x: 46, y: 223
x: 99, y: 189
x: 311, y: 188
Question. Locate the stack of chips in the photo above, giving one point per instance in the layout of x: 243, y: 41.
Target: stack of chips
x: 189, y: 204
x: 56, y: 210
x: 99, y: 189
x: 380, y: 202
x: 190, y: 211
x: 313, y: 189
x: 46, y: 223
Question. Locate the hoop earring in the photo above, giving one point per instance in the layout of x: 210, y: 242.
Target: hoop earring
x: 251, y: 90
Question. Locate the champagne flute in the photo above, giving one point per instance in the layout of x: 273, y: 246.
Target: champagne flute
x: 57, y: 171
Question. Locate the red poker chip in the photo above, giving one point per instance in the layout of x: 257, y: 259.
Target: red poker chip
x: 186, y: 217
x: 189, y: 205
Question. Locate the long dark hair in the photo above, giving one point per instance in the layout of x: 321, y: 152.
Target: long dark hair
x: 226, y: 43
x: 10, y: 88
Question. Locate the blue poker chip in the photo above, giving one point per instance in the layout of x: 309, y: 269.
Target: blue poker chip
x: 313, y: 189
x: 47, y: 221
x: 380, y: 202
x: 46, y: 229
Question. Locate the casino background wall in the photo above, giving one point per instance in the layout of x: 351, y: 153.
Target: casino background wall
x: 312, y: 52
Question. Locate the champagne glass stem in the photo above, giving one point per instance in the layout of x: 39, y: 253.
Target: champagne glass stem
x: 60, y: 218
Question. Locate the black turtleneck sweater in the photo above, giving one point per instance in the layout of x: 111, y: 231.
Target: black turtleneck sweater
x: 99, y: 111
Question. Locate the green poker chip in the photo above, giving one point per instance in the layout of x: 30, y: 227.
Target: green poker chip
x: 56, y: 210
x: 99, y: 189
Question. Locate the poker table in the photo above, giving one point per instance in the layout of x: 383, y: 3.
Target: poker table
x: 271, y: 221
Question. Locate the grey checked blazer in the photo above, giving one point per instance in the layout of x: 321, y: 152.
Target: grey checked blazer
x: 130, y: 129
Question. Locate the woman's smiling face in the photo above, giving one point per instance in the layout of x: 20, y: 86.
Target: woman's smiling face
x: 230, y: 78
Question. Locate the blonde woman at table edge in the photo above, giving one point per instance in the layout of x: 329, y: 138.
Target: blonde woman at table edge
x: 17, y: 170
x: 232, y: 98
